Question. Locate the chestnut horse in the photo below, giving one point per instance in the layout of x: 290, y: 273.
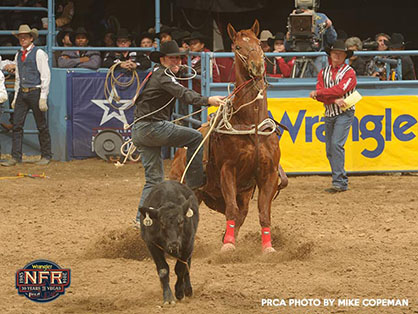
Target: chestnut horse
x: 242, y: 156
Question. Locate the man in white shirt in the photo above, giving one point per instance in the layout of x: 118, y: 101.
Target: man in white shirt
x: 3, y: 95
x: 31, y: 92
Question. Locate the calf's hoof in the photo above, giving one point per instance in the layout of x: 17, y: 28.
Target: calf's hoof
x: 169, y: 302
x: 179, y: 293
x: 268, y: 250
x: 228, y: 247
x: 188, y: 291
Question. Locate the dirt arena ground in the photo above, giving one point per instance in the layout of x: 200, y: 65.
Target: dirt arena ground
x: 361, y: 244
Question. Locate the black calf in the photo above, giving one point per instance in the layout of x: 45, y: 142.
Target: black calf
x: 169, y: 220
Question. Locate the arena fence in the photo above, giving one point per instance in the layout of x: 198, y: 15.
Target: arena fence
x: 383, y: 137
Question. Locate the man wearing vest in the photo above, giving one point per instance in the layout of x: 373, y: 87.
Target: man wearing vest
x: 31, y: 91
x: 335, y: 83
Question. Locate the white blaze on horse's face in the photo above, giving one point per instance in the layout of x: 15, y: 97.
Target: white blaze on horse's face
x: 248, y: 48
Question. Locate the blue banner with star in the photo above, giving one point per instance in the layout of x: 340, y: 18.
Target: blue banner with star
x: 88, y: 111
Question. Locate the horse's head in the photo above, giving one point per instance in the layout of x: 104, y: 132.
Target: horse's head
x: 247, y: 48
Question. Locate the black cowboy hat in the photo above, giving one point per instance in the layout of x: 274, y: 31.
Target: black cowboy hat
x: 179, y: 35
x: 78, y: 31
x: 164, y: 29
x: 145, y: 35
x: 123, y: 33
x: 168, y: 48
x: 278, y: 36
x: 196, y: 35
x: 340, y: 46
x: 397, y: 41
x: 61, y: 35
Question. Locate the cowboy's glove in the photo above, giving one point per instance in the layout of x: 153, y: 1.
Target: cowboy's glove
x: 3, y: 98
x: 43, y: 105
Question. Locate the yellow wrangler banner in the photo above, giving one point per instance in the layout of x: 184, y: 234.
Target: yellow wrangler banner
x: 383, y: 136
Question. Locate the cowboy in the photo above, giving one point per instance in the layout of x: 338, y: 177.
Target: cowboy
x: 31, y: 92
x: 128, y: 60
x: 82, y: 58
x: 152, y: 113
x: 335, y: 83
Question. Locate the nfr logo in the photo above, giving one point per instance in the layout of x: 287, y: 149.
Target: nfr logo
x: 42, y: 281
x: 369, y: 126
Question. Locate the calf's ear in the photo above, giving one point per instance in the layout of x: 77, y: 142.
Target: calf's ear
x: 152, y: 212
x: 187, y: 211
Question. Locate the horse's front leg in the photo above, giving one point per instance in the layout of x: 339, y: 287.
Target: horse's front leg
x: 229, y: 193
x: 267, y: 188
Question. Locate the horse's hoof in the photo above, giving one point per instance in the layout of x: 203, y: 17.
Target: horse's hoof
x: 269, y: 250
x: 227, y: 247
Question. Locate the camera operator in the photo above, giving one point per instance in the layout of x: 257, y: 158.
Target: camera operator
x: 302, y: 37
x: 383, y: 40
x: 373, y: 67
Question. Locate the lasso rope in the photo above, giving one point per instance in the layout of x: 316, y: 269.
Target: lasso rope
x: 132, y: 147
x: 112, y: 93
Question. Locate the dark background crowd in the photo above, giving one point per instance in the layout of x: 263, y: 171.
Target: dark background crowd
x: 104, y: 22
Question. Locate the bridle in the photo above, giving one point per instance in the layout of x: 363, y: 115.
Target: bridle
x: 243, y: 58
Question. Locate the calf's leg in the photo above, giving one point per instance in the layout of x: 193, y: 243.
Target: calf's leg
x: 163, y: 271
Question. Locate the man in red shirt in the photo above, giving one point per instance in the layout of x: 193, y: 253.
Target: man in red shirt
x: 335, y: 83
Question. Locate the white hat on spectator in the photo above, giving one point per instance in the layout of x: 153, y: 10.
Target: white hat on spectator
x: 265, y: 35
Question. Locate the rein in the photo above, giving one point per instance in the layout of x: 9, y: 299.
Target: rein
x: 179, y: 259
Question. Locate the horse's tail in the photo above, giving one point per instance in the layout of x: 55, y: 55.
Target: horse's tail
x: 284, y: 181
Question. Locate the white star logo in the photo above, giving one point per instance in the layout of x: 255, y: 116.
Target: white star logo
x: 104, y: 104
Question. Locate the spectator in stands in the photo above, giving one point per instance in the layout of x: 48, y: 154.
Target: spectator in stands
x: 196, y: 42
x: 397, y: 43
x: 145, y: 40
x: 356, y: 62
x: 128, y: 60
x: 109, y: 39
x: 164, y: 34
x: 89, y: 59
x: 181, y: 37
x: 265, y: 35
x: 279, y: 66
x: 335, y: 83
x: 65, y: 13
x: 63, y: 40
x: 31, y: 92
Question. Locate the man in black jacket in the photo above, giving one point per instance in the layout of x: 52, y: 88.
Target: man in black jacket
x: 153, y: 110
x: 129, y: 60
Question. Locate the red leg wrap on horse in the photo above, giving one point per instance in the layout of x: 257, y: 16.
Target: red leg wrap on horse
x: 266, y: 237
x: 230, y: 232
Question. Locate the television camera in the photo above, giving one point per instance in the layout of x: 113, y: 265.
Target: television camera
x: 301, y: 26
